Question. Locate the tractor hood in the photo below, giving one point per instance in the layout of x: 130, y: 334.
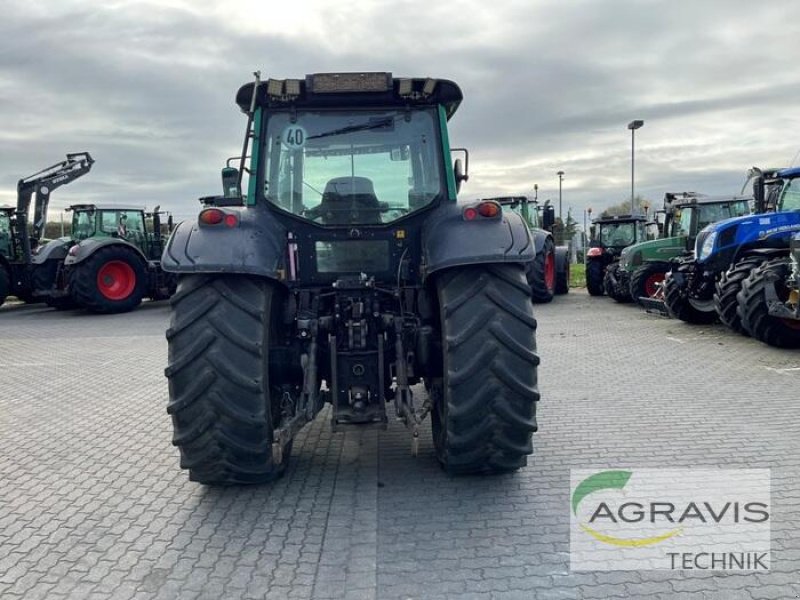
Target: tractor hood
x: 722, y: 239
x: 653, y: 250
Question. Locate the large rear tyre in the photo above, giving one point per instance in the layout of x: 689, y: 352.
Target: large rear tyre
x: 484, y: 407
x: 753, y: 309
x: 112, y: 280
x: 562, y: 270
x: 541, y: 274
x: 223, y: 409
x: 727, y: 288
x: 594, y: 277
x: 679, y: 306
x: 646, y: 281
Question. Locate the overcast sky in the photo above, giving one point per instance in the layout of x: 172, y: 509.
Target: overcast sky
x: 148, y: 88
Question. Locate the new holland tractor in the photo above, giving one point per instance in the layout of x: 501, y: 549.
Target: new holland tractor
x: 643, y: 266
x: 703, y: 287
x: 25, y: 270
x: 345, y: 275
x: 769, y: 301
x: 548, y: 273
x: 611, y: 236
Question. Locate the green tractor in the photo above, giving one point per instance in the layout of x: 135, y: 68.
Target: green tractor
x: 112, y: 259
x: 610, y: 236
x: 643, y: 266
x: 349, y: 261
x: 548, y: 273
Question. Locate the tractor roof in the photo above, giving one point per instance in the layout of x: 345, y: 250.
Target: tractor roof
x: 703, y: 199
x: 620, y: 219
x: 7, y: 208
x: 508, y: 200
x: 789, y: 173
x: 345, y: 90
x: 104, y: 207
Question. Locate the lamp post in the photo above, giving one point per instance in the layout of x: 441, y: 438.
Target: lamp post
x: 560, y: 179
x: 536, y: 192
x: 633, y: 126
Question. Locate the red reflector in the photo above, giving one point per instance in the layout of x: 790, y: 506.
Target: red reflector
x: 470, y: 214
x: 211, y: 216
x: 489, y: 209
x: 231, y: 220
x: 595, y: 251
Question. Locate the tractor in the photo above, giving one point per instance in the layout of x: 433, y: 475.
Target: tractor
x: 703, y: 287
x: 27, y: 271
x: 769, y: 301
x: 112, y: 260
x: 643, y: 266
x: 345, y: 275
x: 610, y: 236
x: 548, y: 274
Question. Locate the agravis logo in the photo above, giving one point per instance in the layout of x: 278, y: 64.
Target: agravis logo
x: 605, y: 480
x: 670, y: 518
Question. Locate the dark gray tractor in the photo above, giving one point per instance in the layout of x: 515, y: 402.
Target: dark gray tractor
x: 349, y: 262
x: 26, y: 270
x: 610, y: 236
x: 548, y: 273
x: 113, y: 258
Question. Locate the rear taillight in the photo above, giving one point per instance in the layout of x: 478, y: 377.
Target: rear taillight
x: 594, y: 251
x: 215, y: 216
x: 211, y: 216
x: 482, y: 210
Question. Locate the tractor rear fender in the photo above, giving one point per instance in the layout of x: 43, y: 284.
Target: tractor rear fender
x: 448, y: 240
x: 255, y: 245
x: 52, y: 250
x: 540, y: 236
x: 86, y: 248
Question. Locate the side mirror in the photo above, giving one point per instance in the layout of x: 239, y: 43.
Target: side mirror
x: 461, y: 172
x: 230, y: 183
x: 170, y: 224
x: 548, y: 217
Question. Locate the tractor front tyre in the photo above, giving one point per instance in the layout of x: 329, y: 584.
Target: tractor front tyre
x: 484, y: 406
x: 223, y: 410
x: 647, y: 280
x: 112, y: 280
x: 594, y: 277
x: 754, y: 309
x: 541, y: 274
x: 728, y: 287
x: 562, y: 270
x: 676, y: 299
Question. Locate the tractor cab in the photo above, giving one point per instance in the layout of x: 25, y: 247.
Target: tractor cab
x: 612, y: 234
x: 125, y: 222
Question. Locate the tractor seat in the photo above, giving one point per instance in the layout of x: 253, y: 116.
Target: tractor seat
x: 348, y: 201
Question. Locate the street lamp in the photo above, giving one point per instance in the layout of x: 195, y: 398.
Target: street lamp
x: 633, y: 126
x: 536, y: 192
x: 560, y: 179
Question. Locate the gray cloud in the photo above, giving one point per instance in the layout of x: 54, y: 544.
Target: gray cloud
x: 148, y: 88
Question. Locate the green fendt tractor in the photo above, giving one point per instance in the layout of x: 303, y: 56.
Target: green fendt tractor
x: 112, y: 259
x: 610, y: 236
x: 349, y: 262
x: 643, y: 266
x: 548, y: 273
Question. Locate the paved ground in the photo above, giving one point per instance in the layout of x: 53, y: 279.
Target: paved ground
x: 93, y: 504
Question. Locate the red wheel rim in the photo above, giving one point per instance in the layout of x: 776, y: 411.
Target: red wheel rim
x: 651, y: 284
x: 550, y: 271
x: 116, y: 280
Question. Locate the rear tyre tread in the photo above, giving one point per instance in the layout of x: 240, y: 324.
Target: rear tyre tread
x: 485, y: 407
x: 221, y: 411
x: 83, y: 281
x: 535, y: 273
x: 753, y: 309
x: 728, y: 287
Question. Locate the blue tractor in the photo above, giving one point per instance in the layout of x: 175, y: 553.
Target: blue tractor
x: 703, y: 287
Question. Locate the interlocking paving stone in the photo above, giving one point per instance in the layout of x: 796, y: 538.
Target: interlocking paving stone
x: 93, y: 504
